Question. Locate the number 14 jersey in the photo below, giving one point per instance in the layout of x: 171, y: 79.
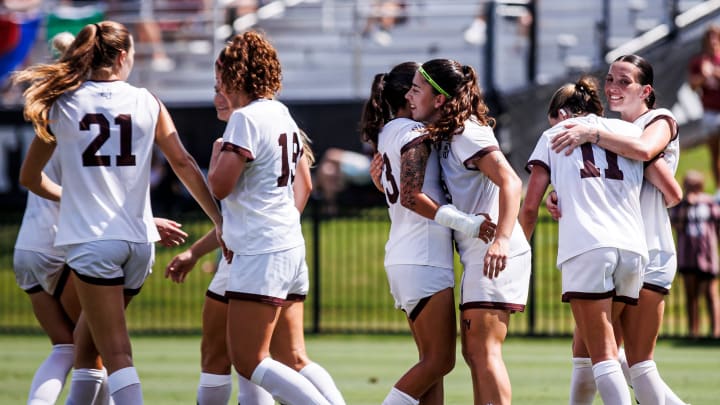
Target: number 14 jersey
x: 598, y: 191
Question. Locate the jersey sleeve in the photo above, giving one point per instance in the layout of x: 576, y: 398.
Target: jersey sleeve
x: 411, y: 137
x: 474, y: 144
x: 240, y: 136
x: 540, y: 155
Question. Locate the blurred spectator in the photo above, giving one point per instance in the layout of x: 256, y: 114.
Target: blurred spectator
x: 476, y: 33
x: 704, y: 78
x: 339, y: 169
x: 697, y: 222
x: 147, y: 31
x: 384, y: 15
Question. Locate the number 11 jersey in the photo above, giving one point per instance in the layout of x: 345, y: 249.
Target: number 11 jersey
x: 598, y: 191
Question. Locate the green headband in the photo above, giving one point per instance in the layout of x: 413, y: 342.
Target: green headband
x: 432, y: 82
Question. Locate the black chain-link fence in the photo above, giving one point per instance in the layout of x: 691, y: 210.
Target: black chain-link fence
x: 349, y: 291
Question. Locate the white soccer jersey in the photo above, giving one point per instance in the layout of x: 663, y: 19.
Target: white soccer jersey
x: 598, y: 192
x: 413, y: 238
x: 473, y: 192
x: 39, y: 224
x: 658, y: 231
x: 105, y: 133
x: 259, y: 215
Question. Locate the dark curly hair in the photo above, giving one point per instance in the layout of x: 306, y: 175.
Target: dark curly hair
x: 465, y: 101
x: 249, y: 63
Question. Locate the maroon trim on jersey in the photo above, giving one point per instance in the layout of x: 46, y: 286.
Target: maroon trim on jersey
x: 570, y: 295
x: 418, y: 308
x: 100, y: 281
x: 216, y: 297
x: 291, y: 298
x: 62, y: 282
x: 264, y: 299
x: 674, y: 132
x: 33, y: 290
x: 505, y: 306
x: 535, y: 162
x: 656, y: 288
x: 230, y: 147
x: 649, y: 162
x: 479, y: 154
x: 415, y: 142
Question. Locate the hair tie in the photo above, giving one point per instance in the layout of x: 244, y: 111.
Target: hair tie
x: 432, y: 82
x: 98, y: 32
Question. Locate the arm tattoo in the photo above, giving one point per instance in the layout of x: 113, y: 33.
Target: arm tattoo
x: 412, y: 176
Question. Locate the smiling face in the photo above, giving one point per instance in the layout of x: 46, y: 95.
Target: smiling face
x: 222, y: 106
x: 422, y: 101
x: 623, y: 92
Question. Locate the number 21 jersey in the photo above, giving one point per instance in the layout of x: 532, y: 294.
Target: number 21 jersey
x: 105, y: 133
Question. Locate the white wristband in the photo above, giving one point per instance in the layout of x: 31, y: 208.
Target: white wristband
x: 448, y: 215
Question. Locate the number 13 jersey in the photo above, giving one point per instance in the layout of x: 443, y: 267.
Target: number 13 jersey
x: 598, y: 191
x: 105, y: 133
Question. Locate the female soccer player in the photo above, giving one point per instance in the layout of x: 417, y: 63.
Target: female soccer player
x: 418, y: 253
x: 445, y: 96
x: 252, y: 173
x: 215, y: 380
x: 629, y: 91
x: 601, y: 249
x: 103, y: 129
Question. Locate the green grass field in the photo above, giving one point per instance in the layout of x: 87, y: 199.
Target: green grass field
x: 365, y: 367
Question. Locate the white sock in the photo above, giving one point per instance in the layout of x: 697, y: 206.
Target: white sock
x: 582, y: 382
x: 285, y: 384
x: 647, y: 384
x: 397, y: 397
x: 624, y: 365
x: 125, y: 387
x: 251, y: 393
x: 610, y: 383
x: 84, y: 386
x: 214, y: 389
x: 103, y: 396
x: 322, y: 380
x: 49, y: 378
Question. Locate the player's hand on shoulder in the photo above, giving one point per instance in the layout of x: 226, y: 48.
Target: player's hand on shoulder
x: 570, y: 138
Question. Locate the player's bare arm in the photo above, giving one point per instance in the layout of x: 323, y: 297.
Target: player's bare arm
x: 412, y: 176
x: 498, y: 170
